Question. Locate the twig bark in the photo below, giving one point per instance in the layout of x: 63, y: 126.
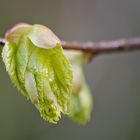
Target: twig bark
x: 100, y: 47
x: 104, y: 46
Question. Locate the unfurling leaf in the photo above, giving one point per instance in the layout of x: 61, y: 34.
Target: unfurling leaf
x: 80, y: 105
x: 35, y: 62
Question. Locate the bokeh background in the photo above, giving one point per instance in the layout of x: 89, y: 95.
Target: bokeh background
x: 113, y: 78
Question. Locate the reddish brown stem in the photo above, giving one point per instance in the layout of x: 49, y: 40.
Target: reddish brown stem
x: 104, y: 46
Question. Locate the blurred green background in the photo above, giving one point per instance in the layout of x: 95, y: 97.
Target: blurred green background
x: 114, y: 78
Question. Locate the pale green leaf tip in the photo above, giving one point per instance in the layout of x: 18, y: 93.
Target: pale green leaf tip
x: 35, y: 62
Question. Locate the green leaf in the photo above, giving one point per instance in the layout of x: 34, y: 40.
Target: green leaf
x: 80, y: 105
x: 35, y: 62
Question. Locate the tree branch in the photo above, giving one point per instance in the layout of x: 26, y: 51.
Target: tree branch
x: 104, y: 46
x: 100, y: 47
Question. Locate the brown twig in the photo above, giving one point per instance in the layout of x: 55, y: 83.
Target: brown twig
x: 100, y: 47
x: 104, y: 46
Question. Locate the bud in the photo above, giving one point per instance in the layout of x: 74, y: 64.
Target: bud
x: 80, y: 105
x: 35, y: 62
